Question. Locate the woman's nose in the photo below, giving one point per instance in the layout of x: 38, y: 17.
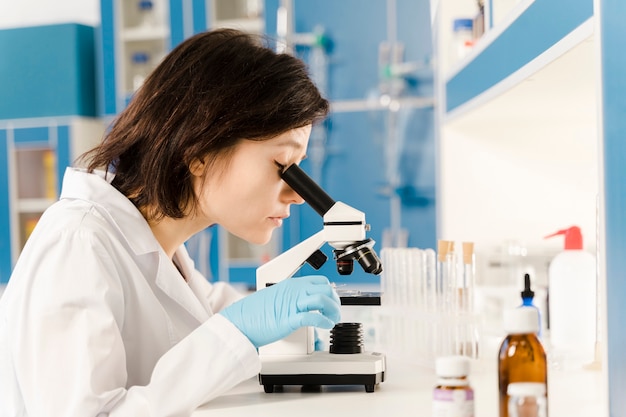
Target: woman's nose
x: 292, y: 196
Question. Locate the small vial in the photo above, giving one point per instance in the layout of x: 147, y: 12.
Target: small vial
x: 463, y: 38
x: 527, y: 399
x: 453, y: 396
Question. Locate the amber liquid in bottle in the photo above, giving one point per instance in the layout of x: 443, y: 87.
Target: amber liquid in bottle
x: 522, y: 359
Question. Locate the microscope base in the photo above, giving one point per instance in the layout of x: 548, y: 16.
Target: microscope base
x: 323, y: 368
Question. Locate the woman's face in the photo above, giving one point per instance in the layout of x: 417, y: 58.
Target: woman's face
x: 245, y: 194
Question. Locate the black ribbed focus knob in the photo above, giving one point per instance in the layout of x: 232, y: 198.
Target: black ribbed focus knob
x: 346, y: 338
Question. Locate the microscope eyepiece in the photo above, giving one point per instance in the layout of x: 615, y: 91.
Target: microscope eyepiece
x: 363, y: 253
x: 312, y: 193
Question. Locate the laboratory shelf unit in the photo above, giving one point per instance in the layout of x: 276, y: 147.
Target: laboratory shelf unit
x: 135, y: 35
x: 529, y: 139
x: 518, y: 127
x: 34, y: 154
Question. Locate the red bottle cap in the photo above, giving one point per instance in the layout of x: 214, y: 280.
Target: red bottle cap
x: 573, y: 238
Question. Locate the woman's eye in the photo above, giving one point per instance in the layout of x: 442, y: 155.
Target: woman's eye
x: 280, y: 166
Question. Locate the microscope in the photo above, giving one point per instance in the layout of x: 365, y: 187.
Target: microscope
x: 293, y: 360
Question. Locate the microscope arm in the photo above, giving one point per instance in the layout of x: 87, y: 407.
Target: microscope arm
x: 343, y: 225
x: 288, y: 263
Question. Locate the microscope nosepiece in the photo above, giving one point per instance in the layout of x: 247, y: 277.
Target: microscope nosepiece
x: 363, y: 253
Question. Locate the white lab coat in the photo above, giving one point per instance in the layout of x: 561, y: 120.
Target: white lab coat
x: 97, y: 321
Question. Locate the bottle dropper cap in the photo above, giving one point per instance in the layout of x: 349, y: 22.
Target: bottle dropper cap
x: 527, y: 293
x: 521, y: 320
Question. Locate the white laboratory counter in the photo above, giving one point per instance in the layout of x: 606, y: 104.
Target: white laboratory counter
x: 407, y: 391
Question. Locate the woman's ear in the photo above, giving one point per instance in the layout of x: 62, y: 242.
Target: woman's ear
x: 197, y: 167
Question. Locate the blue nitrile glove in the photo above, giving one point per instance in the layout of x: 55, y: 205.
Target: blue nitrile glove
x: 272, y: 313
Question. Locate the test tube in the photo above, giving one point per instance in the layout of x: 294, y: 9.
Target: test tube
x: 451, y: 276
x: 430, y: 273
x: 470, y: 345
x: 430, y: 342
x: 451, y: 300
x: 446, y: 277
x: 442, y: 253
x: 415, y: 277
x: 446, y: 273
x: 469, y: 265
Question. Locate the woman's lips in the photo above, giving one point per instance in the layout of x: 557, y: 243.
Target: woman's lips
x: 278, y: 221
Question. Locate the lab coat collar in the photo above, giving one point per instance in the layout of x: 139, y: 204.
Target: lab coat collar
x: 177, y: 288
x: 95, y: 188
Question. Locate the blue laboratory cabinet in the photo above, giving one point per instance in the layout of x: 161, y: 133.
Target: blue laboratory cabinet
x: 47, y: 118
x: 555, y: 69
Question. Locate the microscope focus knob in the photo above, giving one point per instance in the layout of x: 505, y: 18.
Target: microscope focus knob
x: 317, y: 259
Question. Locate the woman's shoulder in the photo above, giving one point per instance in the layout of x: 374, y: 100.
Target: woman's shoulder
x: 73, y: 220
x: 74, y: 214
x: 99, y: 223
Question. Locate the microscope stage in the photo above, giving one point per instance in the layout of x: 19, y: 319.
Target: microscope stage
x: 323, y: 368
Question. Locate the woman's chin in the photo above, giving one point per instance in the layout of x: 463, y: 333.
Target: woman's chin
x: 260, y: 239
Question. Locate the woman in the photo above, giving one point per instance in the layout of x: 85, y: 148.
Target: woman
x: 104, y: 313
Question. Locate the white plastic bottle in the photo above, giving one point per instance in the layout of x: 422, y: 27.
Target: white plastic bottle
x: 572, y: 300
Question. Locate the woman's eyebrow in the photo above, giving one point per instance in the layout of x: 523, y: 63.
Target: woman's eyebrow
x: 291, y: 143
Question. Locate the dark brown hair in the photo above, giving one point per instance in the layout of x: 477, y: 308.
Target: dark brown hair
x: 212, y: 91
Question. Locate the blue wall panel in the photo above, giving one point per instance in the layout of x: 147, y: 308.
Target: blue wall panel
x: 354, y: 41
x: 63, y: 153
x: 200, y: 16
x: 5, y: 218
x: 354, y: 169
x: 612, y: 14
x: 107, y: 103
x: 177, y: 29
x: 31, y: 136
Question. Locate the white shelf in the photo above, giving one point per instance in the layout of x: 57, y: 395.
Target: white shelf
x: 143, y: 34
x: 558, y: 87
x: 243, y: 24
x: 525, y: 41
x: 488, y: 37
x: 33, y: 205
